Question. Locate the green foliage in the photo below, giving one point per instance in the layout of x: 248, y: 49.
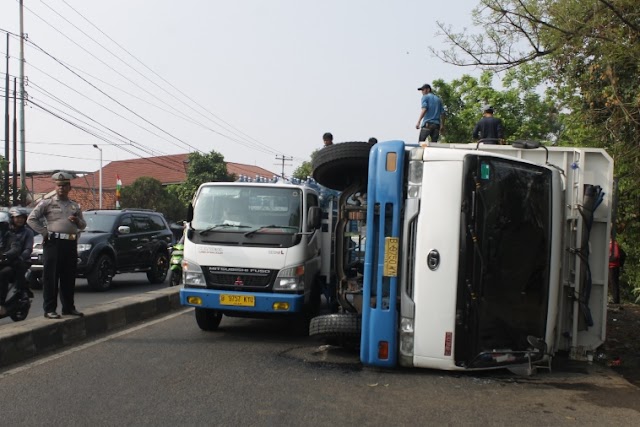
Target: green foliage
x: 148, y: 193
x: 305, y: 169
x: 586, y: 53
x: 524, y: 113
x: 202, y: 168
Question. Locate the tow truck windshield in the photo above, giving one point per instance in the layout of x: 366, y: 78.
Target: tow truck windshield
x: 234, y: 209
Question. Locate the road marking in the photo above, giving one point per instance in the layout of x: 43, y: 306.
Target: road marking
x: 88, y: 345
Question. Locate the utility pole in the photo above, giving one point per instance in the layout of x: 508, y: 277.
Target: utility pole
x: 16, y: 199
x: 6, y: 131
x: 23, y: 96
x: 284, y: 159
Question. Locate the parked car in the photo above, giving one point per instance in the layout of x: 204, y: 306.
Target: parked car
x: 116, y: 241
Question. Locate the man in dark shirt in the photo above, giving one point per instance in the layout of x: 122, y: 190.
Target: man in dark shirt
x: 489, y: 128
x: 16, y: 243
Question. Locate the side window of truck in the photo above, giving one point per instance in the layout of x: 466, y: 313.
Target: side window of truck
x: 312, y: 200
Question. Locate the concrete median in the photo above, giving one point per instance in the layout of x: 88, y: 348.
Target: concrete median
x: 35, y: 336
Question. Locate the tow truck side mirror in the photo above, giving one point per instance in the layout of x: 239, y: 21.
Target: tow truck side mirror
x: 314, y: 218
x: 190, y: 212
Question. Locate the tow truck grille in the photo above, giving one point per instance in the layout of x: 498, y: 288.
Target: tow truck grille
x: 239, y: 279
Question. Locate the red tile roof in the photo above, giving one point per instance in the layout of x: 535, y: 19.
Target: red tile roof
x: 166, y: 169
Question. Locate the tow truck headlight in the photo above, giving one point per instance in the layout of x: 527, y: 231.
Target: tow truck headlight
x: 192, y: 275
x: 414, y: 179
x: 406, y: 336
x: 84, y: 247
x: 290, y: 279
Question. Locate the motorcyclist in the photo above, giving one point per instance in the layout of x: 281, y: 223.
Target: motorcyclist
x: 16, y: 244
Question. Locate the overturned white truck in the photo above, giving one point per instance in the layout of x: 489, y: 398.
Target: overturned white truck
x: 459, y: 256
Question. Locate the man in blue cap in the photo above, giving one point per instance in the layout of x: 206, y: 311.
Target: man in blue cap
x: 431, y: 120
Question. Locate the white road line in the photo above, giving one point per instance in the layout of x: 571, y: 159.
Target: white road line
x: 89, y: 344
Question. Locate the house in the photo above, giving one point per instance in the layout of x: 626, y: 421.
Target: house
x: 170, y: 169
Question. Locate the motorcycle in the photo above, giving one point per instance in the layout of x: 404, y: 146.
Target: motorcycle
x: 175, y: 264
x: 18, y: 301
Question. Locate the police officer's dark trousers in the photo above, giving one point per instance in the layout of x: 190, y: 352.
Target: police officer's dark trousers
x: 59, y: 265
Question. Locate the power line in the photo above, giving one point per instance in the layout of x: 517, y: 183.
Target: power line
x: 68, y: 67
x: 269, y: 149
x: 100, y: 137
x: 109, y: 96
x: 167, y: 82
x: 97, y: 103
x: 120, y: 137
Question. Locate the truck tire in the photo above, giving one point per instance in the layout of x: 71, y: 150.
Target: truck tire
x: 345, y: 325
x: 207, y: 319
x: 342, y: 330
x: 340, y: 165
x: 101, y: 275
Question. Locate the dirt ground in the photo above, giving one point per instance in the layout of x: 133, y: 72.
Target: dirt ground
x: 621, y: 351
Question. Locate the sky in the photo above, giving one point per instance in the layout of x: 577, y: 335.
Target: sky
x: 253, y: 80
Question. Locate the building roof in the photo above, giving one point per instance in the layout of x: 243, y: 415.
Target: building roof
x: 166, y: 169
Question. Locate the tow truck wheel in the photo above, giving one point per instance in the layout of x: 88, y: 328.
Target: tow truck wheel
x: 339, y: 165
x: 207, y: 319
x: 339, y: 329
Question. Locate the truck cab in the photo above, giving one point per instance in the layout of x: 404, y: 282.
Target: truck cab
x: 252, y: 250
x: 478, y: 258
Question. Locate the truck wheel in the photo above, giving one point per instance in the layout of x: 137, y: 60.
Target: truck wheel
x: 340, y: 165
x: 207, y: 319
x: 336, y: 325
x: 159, y: 268
x: 339, y: 329
x: 100, y: 277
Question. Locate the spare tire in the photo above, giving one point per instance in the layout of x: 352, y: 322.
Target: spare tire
x: 339, y: 165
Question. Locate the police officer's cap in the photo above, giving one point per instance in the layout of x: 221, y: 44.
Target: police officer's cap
x: 62, y: 177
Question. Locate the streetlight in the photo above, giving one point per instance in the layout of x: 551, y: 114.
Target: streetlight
x: 100, y: 191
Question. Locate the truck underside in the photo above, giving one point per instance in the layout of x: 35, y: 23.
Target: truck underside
x: 509, y: 269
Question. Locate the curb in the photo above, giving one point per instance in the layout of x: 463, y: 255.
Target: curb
x: 33, y: 337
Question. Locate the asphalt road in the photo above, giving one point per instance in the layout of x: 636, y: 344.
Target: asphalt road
x: 258, y: 372
x: 123, y: 285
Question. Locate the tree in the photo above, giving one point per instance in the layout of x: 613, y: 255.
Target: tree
x: 305, y: 169
x: 524, y: 113
x: 587, y: 53
x: 148, y: 193
x: 202, y: 168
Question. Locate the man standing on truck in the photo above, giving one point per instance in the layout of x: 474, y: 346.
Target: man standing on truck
x: 489, y: 127
x: 431, y: 120
x: 327, y: 138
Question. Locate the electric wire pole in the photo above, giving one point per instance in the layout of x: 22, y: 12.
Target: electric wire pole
x: 6, y: 133
x: 23, y: 96
x: 284, y: 159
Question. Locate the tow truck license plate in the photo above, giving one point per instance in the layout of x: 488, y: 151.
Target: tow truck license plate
x: 241, y: 300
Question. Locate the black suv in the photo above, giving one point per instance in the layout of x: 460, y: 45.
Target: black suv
x: 117, y: 241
